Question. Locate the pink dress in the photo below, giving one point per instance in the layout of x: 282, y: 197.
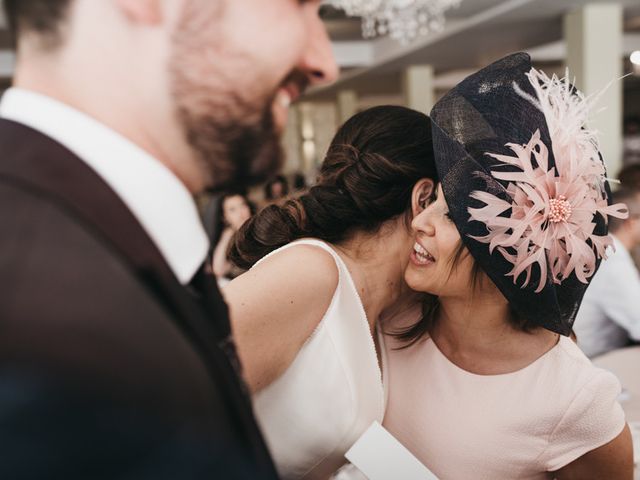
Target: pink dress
x: 517, y: 425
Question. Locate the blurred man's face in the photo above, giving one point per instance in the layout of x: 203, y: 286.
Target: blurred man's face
x: 235, y: 67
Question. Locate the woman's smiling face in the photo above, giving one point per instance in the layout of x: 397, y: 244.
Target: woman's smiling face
x: 439, y: 264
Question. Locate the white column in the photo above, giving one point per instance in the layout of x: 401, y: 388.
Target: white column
x: 324, y: 121
x: 418, y: 88
x: 7, y: 63
x: 291, y: 142
x: 307, y: 133
x: 593, y: 35
x: 347, y: 105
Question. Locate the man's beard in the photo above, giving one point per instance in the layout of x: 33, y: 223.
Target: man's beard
x: 236, y: 144
x: 230, y: 129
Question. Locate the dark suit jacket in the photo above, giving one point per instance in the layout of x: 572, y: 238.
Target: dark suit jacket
x: 109, y: 368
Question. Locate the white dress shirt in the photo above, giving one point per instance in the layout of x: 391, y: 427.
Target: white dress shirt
x: 156, y: 197
x: 610, y: 312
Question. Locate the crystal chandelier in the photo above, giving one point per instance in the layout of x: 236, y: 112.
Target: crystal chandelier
x: 402, y: 20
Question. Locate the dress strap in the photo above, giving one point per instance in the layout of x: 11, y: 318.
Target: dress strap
x: 342, y: 268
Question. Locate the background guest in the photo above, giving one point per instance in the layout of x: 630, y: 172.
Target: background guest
x: 234, y: 209
x: 275, y: 189
x: 299, y: 182
x: 610, y: 313
x: 629, y: 176
x: 631, y: 142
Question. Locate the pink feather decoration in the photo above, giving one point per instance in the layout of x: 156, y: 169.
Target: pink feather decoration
x: 552, y: 209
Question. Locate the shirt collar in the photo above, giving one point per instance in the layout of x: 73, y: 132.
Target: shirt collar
x: 156, y: 197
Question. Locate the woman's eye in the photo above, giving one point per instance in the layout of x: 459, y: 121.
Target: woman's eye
x: 448, y: 216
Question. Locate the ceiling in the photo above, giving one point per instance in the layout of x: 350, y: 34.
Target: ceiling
x: 341, y: 28
x: 476, y: 33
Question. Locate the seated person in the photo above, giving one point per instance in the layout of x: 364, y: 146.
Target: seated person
x: 234, y: 210
x: 629, y: 177
x: 610, y: 313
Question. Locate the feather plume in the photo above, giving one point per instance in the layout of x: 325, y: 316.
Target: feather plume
x: 549, y: 222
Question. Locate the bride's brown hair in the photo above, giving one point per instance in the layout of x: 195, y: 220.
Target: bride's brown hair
x: 366, y: 178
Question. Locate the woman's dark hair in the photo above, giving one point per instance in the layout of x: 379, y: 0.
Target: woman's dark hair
x: 299, y: 182
x: 268, y: 188
x: 41, y: 16
x: 366, y: 178
x: 629, y: 176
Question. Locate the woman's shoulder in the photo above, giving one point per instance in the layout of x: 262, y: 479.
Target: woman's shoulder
x: 572, y: 373
x: 588, y: 414
x: 282, y: 300
x: 588, y: 390
x: 293, y: 287
x: 306, y: 264
x: 569, y: 359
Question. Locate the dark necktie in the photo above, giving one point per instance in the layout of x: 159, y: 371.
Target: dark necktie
x: 204, y: 287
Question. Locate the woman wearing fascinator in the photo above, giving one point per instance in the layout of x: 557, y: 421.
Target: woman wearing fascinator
x: 484, y: 381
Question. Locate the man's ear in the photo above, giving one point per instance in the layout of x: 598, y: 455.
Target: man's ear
x: 147, y: 12
x: 422, y: 192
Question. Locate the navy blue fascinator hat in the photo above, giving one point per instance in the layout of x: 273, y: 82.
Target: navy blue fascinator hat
x: 526, y: 186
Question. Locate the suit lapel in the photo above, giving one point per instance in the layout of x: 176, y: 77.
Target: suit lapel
x: 44, y: 166
x: 35, y: 162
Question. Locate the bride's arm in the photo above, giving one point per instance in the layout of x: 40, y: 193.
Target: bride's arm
x: 276, y: 306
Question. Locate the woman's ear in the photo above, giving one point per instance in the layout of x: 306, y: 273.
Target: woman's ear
x: 422, y: 192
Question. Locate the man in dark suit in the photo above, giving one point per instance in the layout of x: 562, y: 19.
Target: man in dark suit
x: 116, y: 358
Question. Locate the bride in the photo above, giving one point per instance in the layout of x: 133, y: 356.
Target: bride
x: 324, y: 267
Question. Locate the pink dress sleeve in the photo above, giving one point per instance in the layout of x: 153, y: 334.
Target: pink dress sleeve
x: 593, y: 419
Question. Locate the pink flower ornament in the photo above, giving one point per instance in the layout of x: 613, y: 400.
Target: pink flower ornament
x: 550, y: 219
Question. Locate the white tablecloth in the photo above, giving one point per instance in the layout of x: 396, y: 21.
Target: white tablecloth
x: 625, y: 364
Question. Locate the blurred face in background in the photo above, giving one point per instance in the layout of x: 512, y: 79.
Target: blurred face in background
x: 235, y: 211
x: 235, y: 67
x: 277, y: 190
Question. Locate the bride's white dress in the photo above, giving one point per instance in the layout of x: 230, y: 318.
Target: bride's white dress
x: 332, y: 391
